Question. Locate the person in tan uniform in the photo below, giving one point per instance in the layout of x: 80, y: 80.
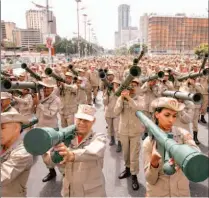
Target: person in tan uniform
x: 109, y: 100
x: 94, y: 81
x: 157, y: 183
x: 81, y: 93
x: 15, y: 160
x: 83, y: 159
x: 185, y: 117
x: 47, y: 111
x: 6, y: 99
x: 25, y: 103
x: 150, y: 91
x: 69, y: 103
x: 130, y: 129
x: 204, y: 81
x: 191, y: 86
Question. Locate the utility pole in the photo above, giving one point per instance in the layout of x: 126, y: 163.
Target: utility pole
x: 78, y: 1
x: 85, y: 22
x: 48, y: 30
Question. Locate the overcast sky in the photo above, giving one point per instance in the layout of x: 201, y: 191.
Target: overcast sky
x: 102, y: 13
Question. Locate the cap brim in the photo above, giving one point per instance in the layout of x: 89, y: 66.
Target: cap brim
x: 84, y: 116
x: 46, y: 85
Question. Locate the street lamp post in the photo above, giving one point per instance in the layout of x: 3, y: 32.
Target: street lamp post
x: 89, y: 24
x: 78, y: 1
x: 85, y: 21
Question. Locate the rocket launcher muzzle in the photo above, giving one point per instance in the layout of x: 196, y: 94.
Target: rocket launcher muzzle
x: 33, y: 74
x: 40, y: 140
x: 194, y: 97
x: 103, y: 77
x: 10, y: 85
x: 204, y: 72
x: 49, y: 72
x: 192, y: 162
x: 160, y: 74
x: 73, y: 70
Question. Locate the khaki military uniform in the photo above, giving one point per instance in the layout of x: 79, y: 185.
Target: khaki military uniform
x: 130, y: 129
x: 111, y: 118
x: 94, y: 81
x: 88, y: 88
x: 193, y: 89
x: 25, y: 105
x: 204, y: 82
x: 47, y: 111
x: 15, y: 169
x: 157, y: 183
x: 84, y: 176
x: 69, y: 105
x: 185, y: 117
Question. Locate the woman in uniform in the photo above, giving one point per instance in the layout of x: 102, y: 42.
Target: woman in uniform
x: 157, y: 183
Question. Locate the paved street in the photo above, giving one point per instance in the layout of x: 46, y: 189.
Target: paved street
x: 113, y: 165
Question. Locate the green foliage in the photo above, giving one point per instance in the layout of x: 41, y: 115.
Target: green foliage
x: 63, y: 45
x: 41, y: 47
x: 201, y: 50
x: 132, y: 49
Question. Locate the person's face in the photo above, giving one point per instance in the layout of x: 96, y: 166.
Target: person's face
x: 110, y: 77
x: 9, y: 132
x: 195, y: 69
x: 47, y: 91
x: 5, y: 103
x: 21, y: 78
x: 81, y: 74
x: 83, y: 126
x: 166, y: 118
x: 134, y: 86
x: 115, y: 86
x: 166, y: 77
x: 69, y: 79
x: 25, y: 91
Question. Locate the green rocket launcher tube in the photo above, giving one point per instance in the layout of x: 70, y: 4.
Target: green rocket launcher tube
x: 40, y: 140
x: 194, y: 97
x: 103, y: 77
x: 193, y: 163
x: 33, y: 74
x: 73, y: 70
x: 160, y: 74
x: 204, y: 72
x: 32, y: 122
x: 49, y: 72
x: 10, y: 85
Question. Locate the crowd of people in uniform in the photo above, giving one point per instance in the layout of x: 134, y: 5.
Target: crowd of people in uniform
x: 73, y: 102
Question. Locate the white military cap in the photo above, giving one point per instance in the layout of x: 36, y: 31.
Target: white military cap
x: 48, y: 82
x: 86, y: 112
x: 69, y: 74
x: 13, y: 117
x: 168, y: 103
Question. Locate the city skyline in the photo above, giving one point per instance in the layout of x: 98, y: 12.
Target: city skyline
x: 103, y: 14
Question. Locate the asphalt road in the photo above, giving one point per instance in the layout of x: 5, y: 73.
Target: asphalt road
x: 113, y: 165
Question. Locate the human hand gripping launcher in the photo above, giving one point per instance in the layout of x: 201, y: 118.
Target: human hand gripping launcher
x: 40, y: 140
x: 193, y: 163
x: 134, y: 72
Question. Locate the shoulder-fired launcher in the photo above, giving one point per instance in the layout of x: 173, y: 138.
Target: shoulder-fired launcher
x: 194, y: 97
x: 193, y: 163
x: 33, y: 74
x: 47, y: 138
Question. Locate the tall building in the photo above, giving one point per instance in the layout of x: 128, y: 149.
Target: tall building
x: 127, y: 35
x: 10, y: 27
x: 123, y: 17
x: 143, y: 29
x: 37, y: 19
x: 176, y: 34
x: 27, y: 38
x: 3, y: 31
x: 117, y: 39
